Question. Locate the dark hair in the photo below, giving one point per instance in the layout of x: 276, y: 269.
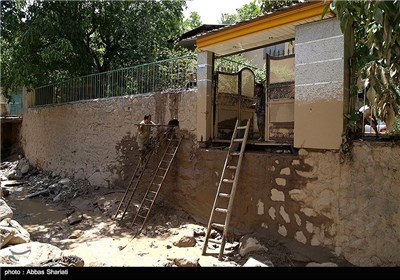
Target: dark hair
x: 259, y: 85
x: 148, y: 116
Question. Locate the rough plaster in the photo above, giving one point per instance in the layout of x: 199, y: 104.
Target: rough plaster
x: 95, y: 140
x: 319, y: 85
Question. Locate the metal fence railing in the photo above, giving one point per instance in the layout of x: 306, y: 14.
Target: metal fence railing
x: 145, y: 78
x: 231, y: 66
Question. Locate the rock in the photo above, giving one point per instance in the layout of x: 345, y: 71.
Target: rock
x: 6, y: 234
x: 24, y: 169
x: 58, y: 196
x: 65, y: 261
x: 185, y: 241
x: 75, y: 234
x: 23, y: 165
x: 186, y: 262
x: 5, y: 211
x: 249, y: 244
x: 4, y: 192
x: 28, y: 254
x: 199, y: 232
x: 254, y: 263
x: 75, y: 218
x: 54, y: 188
x: 64, y: 181
x: 21, y: 235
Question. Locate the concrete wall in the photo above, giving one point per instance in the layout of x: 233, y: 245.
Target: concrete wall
x: 96, y: 140
x: 319, y: 84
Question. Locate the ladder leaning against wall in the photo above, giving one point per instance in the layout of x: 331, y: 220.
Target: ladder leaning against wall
x: 172, y: 145
x: 169, y: 138
x: 223, y: 202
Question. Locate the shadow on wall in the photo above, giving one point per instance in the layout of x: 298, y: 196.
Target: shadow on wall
x: 128, y: 158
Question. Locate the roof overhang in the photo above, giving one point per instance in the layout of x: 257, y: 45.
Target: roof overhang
x: 261, y: 31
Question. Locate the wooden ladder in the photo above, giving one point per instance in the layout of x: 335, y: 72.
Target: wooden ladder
x: 137, y: 175
x: 130, y: 190
x: 222, y: 208
x: 161, y: 172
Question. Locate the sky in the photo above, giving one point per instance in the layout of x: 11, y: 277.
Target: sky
x: 210, y: 10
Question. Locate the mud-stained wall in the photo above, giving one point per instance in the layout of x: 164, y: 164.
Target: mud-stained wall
x: 96, y: 140
x: 352, y: 209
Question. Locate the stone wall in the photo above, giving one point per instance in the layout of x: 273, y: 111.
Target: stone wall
x: 352, y: 209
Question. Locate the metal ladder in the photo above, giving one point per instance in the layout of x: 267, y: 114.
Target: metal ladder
x: 137, y: 176
x: 222, y: 208
x: 161, y: 172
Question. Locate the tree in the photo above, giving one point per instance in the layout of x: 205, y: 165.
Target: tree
x: 48, y: 41
x: 273, y: 5
x: 254, y: 9
x: 192, y: 22
x: 375, y: 26
x: 247, y: 11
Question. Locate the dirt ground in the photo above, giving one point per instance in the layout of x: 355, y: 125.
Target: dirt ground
x: 100, y: 240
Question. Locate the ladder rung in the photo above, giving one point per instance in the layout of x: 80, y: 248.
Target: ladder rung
x: 214, y: 241
x: 241, y: 127
x: 235, y: 154
x: 153, y: 192
x: 227, y: 181
x: 148, y: 199
x: 143, y: 217
x: 218, y: 226
x: 221, y: 210
x: 238, y: 140
x: 232, y: 167
x: 227, y: 195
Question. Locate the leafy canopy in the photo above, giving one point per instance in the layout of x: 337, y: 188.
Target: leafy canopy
x: 43, y: 42
x: 254, y: 9
x: 376, y: 29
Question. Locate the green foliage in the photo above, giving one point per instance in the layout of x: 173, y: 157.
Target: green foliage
x: 45, y: 42
x: 376, y: 29
x: 267, y: 6
x: 235, y: 63
x: 247, y: 11
x: 192, y: 22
